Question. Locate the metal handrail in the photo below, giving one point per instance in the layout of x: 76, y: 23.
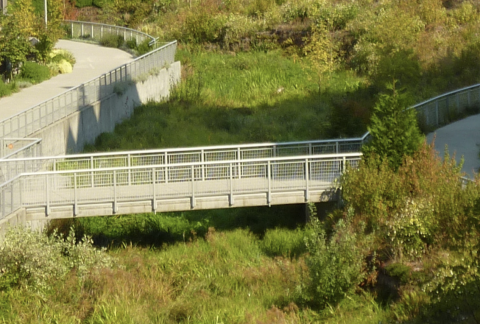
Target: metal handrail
x: 110, y: 27
x: 304, y: 173
x: 78, y: 97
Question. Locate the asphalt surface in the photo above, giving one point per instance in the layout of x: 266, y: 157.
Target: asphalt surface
x: 463, y: 139
x: 92, y: 61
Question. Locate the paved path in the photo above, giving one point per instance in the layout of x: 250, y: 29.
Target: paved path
x: 462, y: 138
x: 92, y: 61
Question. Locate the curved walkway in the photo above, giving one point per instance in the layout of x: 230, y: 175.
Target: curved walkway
x: 92, y: 61
x: 463, y: 139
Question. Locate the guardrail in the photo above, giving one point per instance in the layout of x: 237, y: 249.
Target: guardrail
x: 442, y: 109
x: 13, y: 167
x: 180, y: 180
x: 48, y: 112
x: 96, y: 31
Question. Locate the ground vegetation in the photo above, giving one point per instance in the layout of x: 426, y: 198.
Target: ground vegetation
x: 402, y: 247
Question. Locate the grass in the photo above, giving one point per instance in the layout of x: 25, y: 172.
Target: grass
x: 225, y: 99
x: 224, y: 277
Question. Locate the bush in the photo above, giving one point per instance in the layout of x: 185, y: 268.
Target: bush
x: 111, y: 40
x: 337, y: 264
x: 83, y: 3
x: 32, y: 259
x: 35, y: 72
x: 4, y: 90
x: 422, y: 203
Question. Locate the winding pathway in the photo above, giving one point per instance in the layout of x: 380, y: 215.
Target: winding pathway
x: 463, y: 139
x: 92, y: 61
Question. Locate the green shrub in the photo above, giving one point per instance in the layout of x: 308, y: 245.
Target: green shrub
x: 393, y: 129
x: 337, y: 264
x: 111, y: 40
x: 422, y: 203
x: 83, y: 3
x: 35, y: 72
x: 4, y: 89
x: 33, y: 259
x: 400, y: 271
x: 143, y: 47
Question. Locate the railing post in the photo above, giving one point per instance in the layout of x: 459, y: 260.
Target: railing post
x: 231, y: 184
x: 192, y: 202
x: 307, y: 179
x: 3, y: 190
x: 154, y: 200
x: 344, y: 164
x: 202, y: 159
x: 239, y: 158
x: 75, y: 207
x: 436, y: 113
x: 91, y: 173
x: 115, y: 207
x: 129, y: 164
x: 47, y: 193
x: 166, y: 167
x: 269, y: 194
x: 337, y: 148
x: 72, y: 28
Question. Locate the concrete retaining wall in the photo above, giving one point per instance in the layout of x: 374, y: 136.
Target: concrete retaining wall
x: 70, y: 134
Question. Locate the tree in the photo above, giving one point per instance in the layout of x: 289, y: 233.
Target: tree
x: 14, y: 44
x: 393, y: 129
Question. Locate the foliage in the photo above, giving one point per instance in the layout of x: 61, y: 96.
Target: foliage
x: 44, y: 47
x: 35, y: 72
x: 112, y: 40
x: 337, y: 264
x: 394, y: 131
x: 14, y: 45
x: 283, y: 242
x: 83, y: 3
x: 32, y: 259
x: 5, y: 90
x: 422, y: 204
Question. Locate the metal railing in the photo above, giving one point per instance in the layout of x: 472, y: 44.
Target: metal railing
x: 180, y: 180
x: 48, y: 112
x: 96, y: 31
x: 16, y: 148
x: 12, y: 167
x: 439, y: 110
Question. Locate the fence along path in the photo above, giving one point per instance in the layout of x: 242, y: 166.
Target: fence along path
x: 45, y: 113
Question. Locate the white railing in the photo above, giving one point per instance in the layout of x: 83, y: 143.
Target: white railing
x: 96, y: 31
x: 16, y: 148
x: 48, y: 112
x: 76, y: 188
x: 442, y: 109
x: 12, y: 167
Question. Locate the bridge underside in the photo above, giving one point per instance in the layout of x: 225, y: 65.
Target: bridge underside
x: 179, y: 204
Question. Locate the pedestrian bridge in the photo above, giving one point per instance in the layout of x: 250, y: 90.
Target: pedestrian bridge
x: 176, y: 179
x: 170, y: 179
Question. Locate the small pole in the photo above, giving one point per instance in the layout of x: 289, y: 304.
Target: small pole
x: 46, y: 19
